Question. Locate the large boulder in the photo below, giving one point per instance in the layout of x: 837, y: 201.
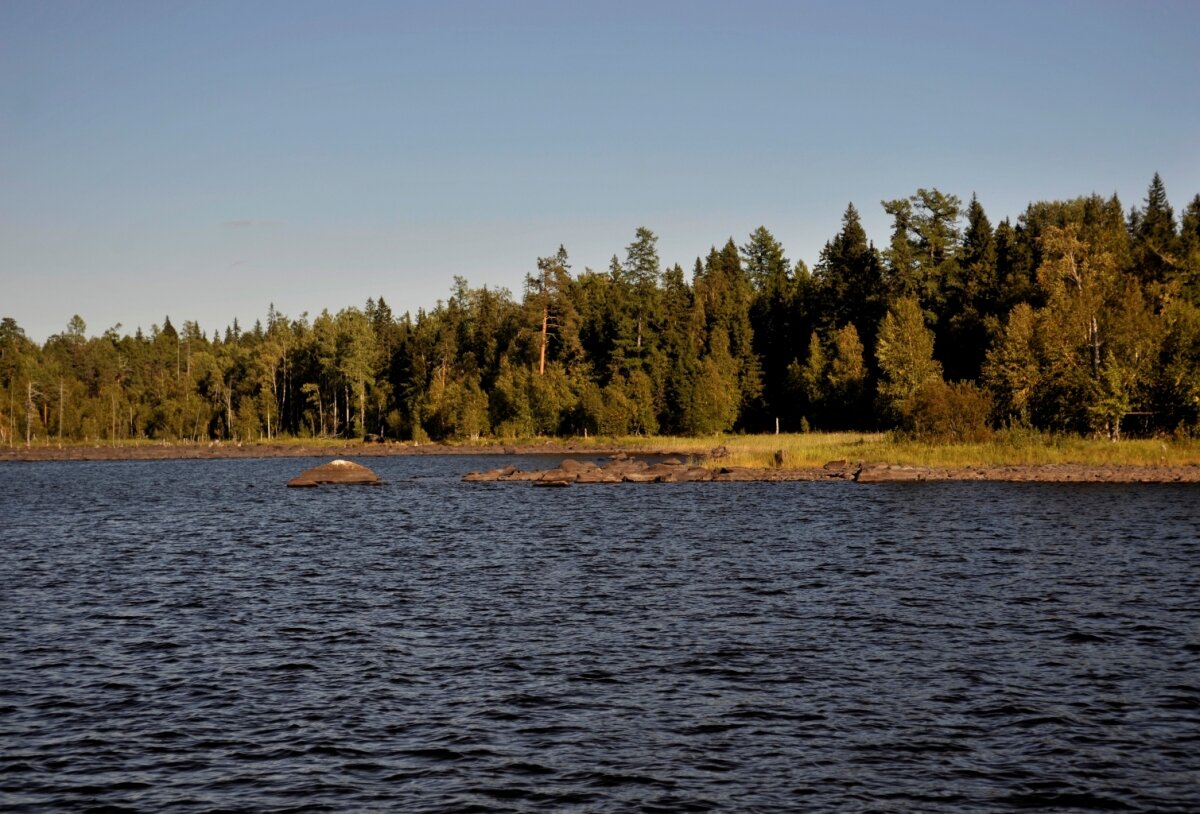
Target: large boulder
x: 336, y: 472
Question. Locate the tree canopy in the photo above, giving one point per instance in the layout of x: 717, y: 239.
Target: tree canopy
x: 1077, y: 317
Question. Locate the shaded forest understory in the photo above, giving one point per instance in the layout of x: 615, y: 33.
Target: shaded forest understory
x: 1079, y: 318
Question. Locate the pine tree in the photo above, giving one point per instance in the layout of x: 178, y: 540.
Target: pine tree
x: 1189, y: 250
x: 971, y: 306
x: 848, y: 283
x: 1155, y: 240
x: 548, y: 294
x: 923, y: 250
x: 772, y: 310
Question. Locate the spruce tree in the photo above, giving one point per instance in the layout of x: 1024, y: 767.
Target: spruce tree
x: 848, y: 284
x: 1155, y: 241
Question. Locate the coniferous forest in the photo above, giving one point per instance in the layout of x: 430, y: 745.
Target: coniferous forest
x: 1080, y: 317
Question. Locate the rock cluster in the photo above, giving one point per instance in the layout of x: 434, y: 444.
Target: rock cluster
x: 336, y: 472
x: 623, y: 469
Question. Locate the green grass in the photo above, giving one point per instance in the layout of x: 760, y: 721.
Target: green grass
x: 1019, y: 448
x: 1006, y: 449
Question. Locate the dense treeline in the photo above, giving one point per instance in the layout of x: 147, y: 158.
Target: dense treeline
x: 1079, y: 317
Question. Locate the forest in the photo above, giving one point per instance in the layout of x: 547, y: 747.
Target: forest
x: 1079, y: 318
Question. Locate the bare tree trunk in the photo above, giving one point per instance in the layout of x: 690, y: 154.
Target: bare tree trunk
x: 60, y: 411
x: 28, y: 410
x: 283, y: 403
x: 545, y: 329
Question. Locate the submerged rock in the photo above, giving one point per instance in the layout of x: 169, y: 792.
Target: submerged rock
x: 336, y: 472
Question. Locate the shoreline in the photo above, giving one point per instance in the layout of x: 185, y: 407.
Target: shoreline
x: 626, y: 469
x: 218, y: 451
x: 859, y: 471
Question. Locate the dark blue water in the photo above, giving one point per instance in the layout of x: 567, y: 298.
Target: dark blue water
x: 192, y: 636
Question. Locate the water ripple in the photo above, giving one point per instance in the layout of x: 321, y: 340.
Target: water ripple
x: 192, y: 636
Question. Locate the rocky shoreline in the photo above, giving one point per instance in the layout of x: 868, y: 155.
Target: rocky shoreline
x: 624, y: 469
x: 634, y: 467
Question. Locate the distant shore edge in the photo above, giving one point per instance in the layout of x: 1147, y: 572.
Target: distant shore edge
x: 866, y: 472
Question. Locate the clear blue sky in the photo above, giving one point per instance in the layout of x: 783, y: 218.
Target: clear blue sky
x: 204, y: 159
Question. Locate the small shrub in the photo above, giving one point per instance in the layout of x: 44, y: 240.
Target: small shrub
x: 956, y: 412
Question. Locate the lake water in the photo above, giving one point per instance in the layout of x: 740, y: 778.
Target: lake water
x: 193, y: 636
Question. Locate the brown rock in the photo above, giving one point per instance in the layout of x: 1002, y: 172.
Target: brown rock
x: 627, y: 465
x: 882, y: 473
x: 557, y: 475
x: 597, y: 476
x: 686, y: 474
x: 336, y: 472
x: 572, y: 465
x: 518, y: 475
x: 492, y: 475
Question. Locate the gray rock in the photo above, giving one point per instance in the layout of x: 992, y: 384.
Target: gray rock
x: 336, y: 472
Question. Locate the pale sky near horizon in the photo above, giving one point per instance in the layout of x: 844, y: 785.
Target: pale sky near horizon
x: 205, y: 159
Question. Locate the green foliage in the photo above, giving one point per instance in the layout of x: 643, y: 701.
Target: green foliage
x: 848, y: 283
x: 905, y: 354
x: 924, y: 245
x: 949, y: 413
x: 834, y: 379
x: 1013, y: 371
x: 1073, y: 318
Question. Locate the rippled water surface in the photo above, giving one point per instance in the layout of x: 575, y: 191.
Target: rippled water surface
x: 190, y: 635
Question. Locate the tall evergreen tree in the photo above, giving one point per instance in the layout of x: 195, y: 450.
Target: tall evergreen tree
x: 924, y: 246
x: 971, y: 299
x: 848, y: 283
x: 771, y: 316
x: 1189, y: 250
x: 1155, y: 240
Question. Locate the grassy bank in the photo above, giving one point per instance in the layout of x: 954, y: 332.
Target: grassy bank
x: 799, y: 451
x: 1007, y: 449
